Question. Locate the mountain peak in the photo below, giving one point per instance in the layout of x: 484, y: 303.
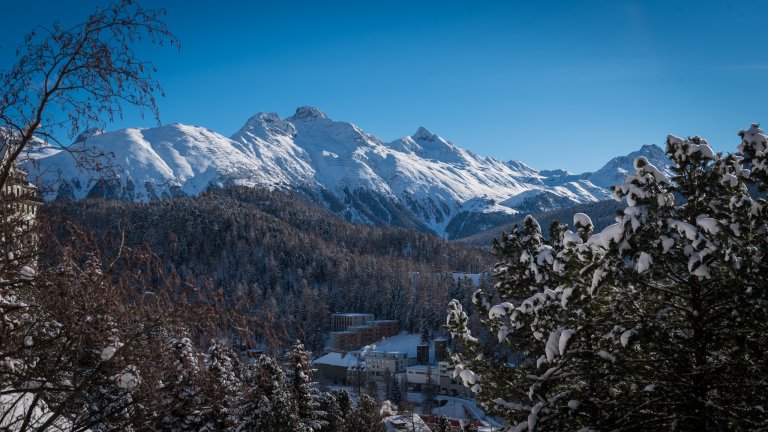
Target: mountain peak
x: 615, y: 171
x: 90, y: 132
x: 263, y: 117
x: 423, y: 134
x: 264, y: 124
x: 307, y: 112
x: 652, y: 148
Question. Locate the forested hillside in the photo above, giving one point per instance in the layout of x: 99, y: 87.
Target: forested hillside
x: 287, y: 260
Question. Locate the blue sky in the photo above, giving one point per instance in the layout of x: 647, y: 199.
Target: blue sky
x: 554, y: 84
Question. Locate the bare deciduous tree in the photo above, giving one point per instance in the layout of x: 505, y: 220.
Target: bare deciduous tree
x: 58, y: 321
x: 69, y: 79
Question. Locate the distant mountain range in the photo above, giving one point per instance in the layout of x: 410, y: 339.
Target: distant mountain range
x: 420, y: 181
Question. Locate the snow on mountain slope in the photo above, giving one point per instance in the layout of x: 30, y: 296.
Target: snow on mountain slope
x: 150, y: 164
x: 612, y: 173
x: 420, y: 181
x: 268, y: 138
x: 616, y: 170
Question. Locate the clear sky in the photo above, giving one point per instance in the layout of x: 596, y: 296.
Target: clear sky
x: 554, y: 84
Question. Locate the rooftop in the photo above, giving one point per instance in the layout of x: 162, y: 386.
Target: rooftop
x: 403, y: 343
x: 406, y: 422
x: 367, y: 326
x: 352, y: 314
x: 337, y: 359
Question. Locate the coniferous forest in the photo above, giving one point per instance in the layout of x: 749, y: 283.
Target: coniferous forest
x: 274, y: 255
x: 656, y: 322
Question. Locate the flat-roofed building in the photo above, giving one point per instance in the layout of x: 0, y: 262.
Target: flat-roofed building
x: 367, y: 333
x: 345, y: 340
x: 368, y: 330
x: 386, y: 328
x: 342, y: 321
x: 380, y: 362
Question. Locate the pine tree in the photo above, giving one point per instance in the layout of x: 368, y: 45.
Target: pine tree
x: 303, y: 390
x: 225, y: 387
x: 425, y: 336
x: 367, y: 417
x: 468, y: 426
x: 345, y: 407
x: 267, y: 404
x: 395, y: 392
x: 335, y: 418
x: 657, y: 322
x: 183, y: 390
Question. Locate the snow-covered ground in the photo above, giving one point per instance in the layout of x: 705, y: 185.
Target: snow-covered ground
x: 16, y: 407
x: 402, y: 343
x: 457, y: 408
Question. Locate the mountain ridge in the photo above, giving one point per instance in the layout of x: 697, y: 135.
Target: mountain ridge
x: 420, y: 181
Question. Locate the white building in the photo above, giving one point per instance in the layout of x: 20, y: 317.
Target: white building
x: 379, y: 363
x: 440, y: 375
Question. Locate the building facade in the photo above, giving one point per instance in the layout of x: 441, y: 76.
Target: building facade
x: 381, y: 363
x: 342, y: 321
x: 352, y: 331
x: 386, y: 328
x: 18, y: 214
x: 345, y: 340
x: 440, y: 375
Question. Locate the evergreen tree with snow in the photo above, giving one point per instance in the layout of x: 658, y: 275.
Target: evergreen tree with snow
x: 267, y: 403
x: 224, y: 390
x: 468, y: 426
x: 346, y: 411
x: 395, y: 391
x: 179, y: 409
x: 367, y: 416
x: 658, y: 322
x: 336, y: 404
x: 303, y: 390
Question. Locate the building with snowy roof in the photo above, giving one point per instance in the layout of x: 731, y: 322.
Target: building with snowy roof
x: 332, y: 367
x: 411, y: 422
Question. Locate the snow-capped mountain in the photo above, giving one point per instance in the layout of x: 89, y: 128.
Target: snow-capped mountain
x: 616, y: 170
x: 419, y: 181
